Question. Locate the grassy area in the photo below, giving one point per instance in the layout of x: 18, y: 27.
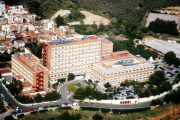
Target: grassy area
x: 74, y: 86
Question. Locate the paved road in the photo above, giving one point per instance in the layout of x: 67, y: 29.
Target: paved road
x: 66, y: 97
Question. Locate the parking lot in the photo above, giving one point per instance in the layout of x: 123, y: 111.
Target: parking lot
x: 163, y: 46
x: 126, y: 93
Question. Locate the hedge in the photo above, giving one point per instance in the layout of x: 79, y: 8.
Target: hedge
x: 89, y: 108
x: 42, y: 111
x: 156, y: 102
x: 20, y: 116
x: 34, y: 112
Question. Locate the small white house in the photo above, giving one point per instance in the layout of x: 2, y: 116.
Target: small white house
x: 19, y: 44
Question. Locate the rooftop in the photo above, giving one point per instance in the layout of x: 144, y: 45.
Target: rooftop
x: 105, y: 41
x: 31, y: 61
x: 116, y: 68
x: 117, y: 55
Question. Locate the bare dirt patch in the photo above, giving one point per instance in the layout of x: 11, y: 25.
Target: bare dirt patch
x: 61, y: 13
x: 91, y: 19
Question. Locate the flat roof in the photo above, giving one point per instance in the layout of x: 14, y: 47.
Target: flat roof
x: 121, y: 67
x: 2, y: 71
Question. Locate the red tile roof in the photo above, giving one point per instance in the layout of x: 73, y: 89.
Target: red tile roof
x: 52, y: 34
x: 7, y: 43
x: 5, y: 71
x: 8, y: 39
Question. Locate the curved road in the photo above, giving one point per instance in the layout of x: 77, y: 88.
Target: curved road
x: 65, y: 97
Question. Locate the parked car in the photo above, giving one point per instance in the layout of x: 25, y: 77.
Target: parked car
x: 2, y: 95
x: 8, y: 107
x: 17, y: 108
x: 12, y: 107
x: 31, y: 110
x: 26, y: 110
x: 40, y: 108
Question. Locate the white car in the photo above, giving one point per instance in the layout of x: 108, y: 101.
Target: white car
x: 40, y: 108
x: 17, y: 108
x: 2, y: 95
x: 63, y: 105
x: 69, y: 104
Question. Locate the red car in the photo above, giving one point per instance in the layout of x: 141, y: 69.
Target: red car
x: 12, y: 107
x: 31, y: 110
x: 8, y: 107
x: 26, y: 111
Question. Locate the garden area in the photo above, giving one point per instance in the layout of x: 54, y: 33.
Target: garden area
x: 72, y: 87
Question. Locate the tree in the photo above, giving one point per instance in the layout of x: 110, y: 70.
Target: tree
x: 15, y: 87
x: 62, y: 80
x: 156, y: 102
x: 101, y: 27
x: 170, y: 57
x: 24, y: 20
x: 107, y: 85
x: 157, y: 78
x: 9, y: 117
x: 163, y: 26
x: 59, y: 21
x: 70, y: 16
x: 71, y: 76
x: 78, y: 116
x: 140, y: 5
x: 97, y: 117
x: 166, y: 86
x: 38, y: 98
x: 65, y: 116
x: 145, y: 30
x: 37, y: 18
x: 51, y: 96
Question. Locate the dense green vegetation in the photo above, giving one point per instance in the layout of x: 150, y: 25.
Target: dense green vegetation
x: 156, y: 102
x: 14, y: 87
x: 97, y: 116
x: 43, y: 8
x: 35, y: 48
x: 129, y: 45
x: 125, y: 9
x: 59, y: 21
x: 70, y: 76
x: 85, y: 29
x: 162, y: 26
x: 172, y: 59
x: 157, y: 78
x: 74, y: 16
x: 173, y: 97
x: 91, y: 93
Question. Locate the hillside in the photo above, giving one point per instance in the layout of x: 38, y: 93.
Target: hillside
x: 125, y: 9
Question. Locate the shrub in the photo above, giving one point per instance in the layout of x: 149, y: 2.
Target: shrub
x: 34, y: 112
x: 42, y: 111
x: 20, y: 116
x: 89, y: 108
x: 156, y: 102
